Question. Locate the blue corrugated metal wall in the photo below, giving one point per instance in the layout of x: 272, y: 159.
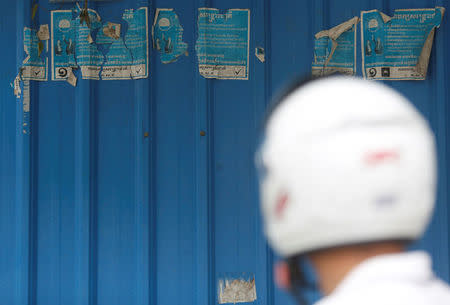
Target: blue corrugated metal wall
x: 94, y: 212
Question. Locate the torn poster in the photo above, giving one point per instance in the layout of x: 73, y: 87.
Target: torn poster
x: 223, y: 43
x: 67, y: 33
x: 100, y: 50
x: 167, y: 35
x: 398, y: 47
x: 335, y: 50
x: 126, y: 53
x: 34, y: 66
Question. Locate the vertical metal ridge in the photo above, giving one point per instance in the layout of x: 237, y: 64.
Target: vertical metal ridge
x: 268, y: 85
x: 440, y: 115
x: 153, y: 222
x: 23, y: 240
x: 85, y: 211
x: 203, y: 205
x: 93, y: 197
x: 141, y: 177
x: 33, y: 187
x: 442, y: 45
x: 262, y: 85
x: 319, y: 10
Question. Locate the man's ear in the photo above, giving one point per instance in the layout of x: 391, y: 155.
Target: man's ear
x: 282, y: 275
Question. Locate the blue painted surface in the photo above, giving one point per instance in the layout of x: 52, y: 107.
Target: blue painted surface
x: 93, y: 211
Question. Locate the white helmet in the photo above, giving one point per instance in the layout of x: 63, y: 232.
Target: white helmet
x: 345, y: 161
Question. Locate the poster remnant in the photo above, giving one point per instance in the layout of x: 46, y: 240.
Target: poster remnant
x: 232, y: 291
x: 35, y: 65
x: 398, y: 47
x: 43, y: 33
x: 335, y: 50
x: 101, y: 50
x: 260, y: 54
x: 126, y: 57
x: 223, y: 43
x: 167, y: 35
x: 16, y: 86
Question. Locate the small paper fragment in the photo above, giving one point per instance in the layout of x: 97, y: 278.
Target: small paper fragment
x: 111, y: 30
x: 16, y: 86
x: 71, y: 78
x: 260, y: 54
x: 89, y: 39
x: 43, y: 33
x: 26, y: 96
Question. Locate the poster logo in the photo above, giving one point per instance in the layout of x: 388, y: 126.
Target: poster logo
x: 62, y: 72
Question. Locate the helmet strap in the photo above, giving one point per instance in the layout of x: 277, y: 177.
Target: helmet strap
x: 299, y: 281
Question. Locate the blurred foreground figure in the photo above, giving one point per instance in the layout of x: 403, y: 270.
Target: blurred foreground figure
x: 348, y: 180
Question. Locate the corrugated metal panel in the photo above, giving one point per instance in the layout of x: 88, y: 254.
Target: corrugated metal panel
x: 94, y: 212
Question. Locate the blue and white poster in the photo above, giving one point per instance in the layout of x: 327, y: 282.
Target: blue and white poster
x: 34, y: 66
x: 335, y: 50
x: 223, y: 43
x: 101, y: 50
x: 168, y: 35
x: 398, y: 47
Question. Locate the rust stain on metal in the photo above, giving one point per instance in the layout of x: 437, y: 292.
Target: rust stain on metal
x: 237, y: 291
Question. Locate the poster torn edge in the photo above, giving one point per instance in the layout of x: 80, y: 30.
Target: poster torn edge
x: 334, y: 33
x: 424, y: 57
x: 71, y: 78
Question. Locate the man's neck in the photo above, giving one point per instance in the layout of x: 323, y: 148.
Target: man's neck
x: 333, y: 265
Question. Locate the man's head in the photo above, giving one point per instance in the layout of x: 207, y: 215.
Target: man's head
x: 345, y: 162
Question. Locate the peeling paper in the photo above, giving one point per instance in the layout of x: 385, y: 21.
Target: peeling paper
x: 260, y: 54
x: 43, y: 33
x: 26, y: 102
x: 236, y: 291
x: 398, y: 47
x: 26, y: 96
x: 335, y: 50
x: 71, y: 78
x: 167, y: 35
x: 223, y: 43
x: 16, y: 86
x: 34, y: 66
x: 89, y: 39
x: 111, y: 30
